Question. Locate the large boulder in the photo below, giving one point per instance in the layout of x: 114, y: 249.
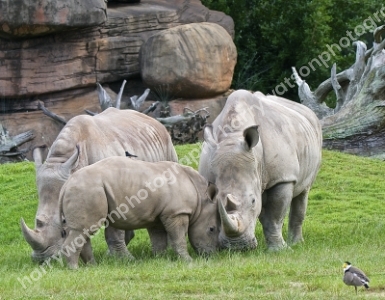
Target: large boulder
x: 21, y: 18
x: 189, y: 61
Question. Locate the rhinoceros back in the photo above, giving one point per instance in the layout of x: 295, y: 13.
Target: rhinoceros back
x: 112, y: 133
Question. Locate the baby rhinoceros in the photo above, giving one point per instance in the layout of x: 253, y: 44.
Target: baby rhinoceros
x: 168, y: 199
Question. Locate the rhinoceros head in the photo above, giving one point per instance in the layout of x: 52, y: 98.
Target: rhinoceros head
x: 48, y: 236
x: 232, y: 165
x: 204, y: 230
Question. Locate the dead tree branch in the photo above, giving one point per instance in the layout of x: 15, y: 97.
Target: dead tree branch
x: 119, y: 96
x: 337, y: 88
x: 9, y: 145
x: 308, y: 99
x: 104, y: 98
x: 185, y: 128
x: 51, y: 114
x: 137, y: 102
x: 357, y: 125
x: 91, y: 113
x: 151, y: 108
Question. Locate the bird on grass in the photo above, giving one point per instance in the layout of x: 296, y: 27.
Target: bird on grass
x: 354, y: 276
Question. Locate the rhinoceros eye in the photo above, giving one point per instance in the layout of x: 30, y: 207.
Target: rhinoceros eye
x: 212, y: 229
x: 39, y: 223
x: 253, y: 201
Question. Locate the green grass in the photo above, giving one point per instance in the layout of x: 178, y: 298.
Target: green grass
x: 345, y: 221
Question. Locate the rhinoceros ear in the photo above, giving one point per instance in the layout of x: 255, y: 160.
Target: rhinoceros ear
x: 208, y: 135
x: 212, y: 190
x: 67, y: 166
x: 37, y: 154
x: 251, y: 136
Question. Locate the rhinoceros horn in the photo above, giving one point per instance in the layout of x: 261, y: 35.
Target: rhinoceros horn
x: 31, y: 236
x: 230, y: 222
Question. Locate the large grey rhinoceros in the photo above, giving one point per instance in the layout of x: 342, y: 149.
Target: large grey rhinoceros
x: 263, y: 153
x: 110, y: 133
x: 168, y: 199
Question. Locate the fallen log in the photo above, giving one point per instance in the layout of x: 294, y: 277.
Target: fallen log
x: 9, y: 151
x: 184, y: 128
x: 357, y: 124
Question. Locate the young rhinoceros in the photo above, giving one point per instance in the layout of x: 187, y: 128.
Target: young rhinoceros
x: 168, y: 199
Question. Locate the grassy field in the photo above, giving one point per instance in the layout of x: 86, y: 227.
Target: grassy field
x: 345, y: 221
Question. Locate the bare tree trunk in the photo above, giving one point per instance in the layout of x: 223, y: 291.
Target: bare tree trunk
x: 357, y: 124
x: 51, y: 114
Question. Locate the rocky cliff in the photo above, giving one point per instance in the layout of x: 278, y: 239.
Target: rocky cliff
x: 56, y: 51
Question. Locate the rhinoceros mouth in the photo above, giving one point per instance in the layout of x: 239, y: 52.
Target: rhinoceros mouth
x: 205, y: 250
x: 238, y: 243
x: 41, y: 256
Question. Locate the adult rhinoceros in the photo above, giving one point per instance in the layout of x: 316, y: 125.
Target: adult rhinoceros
x: 263, y: 153
x: 111, y: 133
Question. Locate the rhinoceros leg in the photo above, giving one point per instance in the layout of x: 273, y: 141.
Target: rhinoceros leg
x: 116, y: 243
x: 296, y: 217
x: 128, y: 236
x: 86, y: 254
x: 275, y: 203
x: 158, y: 238
x: 176, y: 228
x: 72, y: 247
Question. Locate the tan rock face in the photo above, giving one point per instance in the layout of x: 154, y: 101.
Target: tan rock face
x: 67, y: 104
x: 61, y: 68
x: 105, y: 53
x: 22, y: 18
x: 189, y: 61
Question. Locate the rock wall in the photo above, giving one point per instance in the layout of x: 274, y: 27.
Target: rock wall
x: 61, y: 68
x: 106, y: 53
x: 20, y: 18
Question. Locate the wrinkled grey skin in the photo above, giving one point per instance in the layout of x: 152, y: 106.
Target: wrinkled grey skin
x: 82, y: 142
x: 168, y: 199
x: 263, y: 153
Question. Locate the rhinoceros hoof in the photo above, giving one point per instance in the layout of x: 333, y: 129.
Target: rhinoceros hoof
x: 91, y: 263
x: 120, y: 254
x: 276, y: 248
x: 295, y: 241
x: 73, y: 266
